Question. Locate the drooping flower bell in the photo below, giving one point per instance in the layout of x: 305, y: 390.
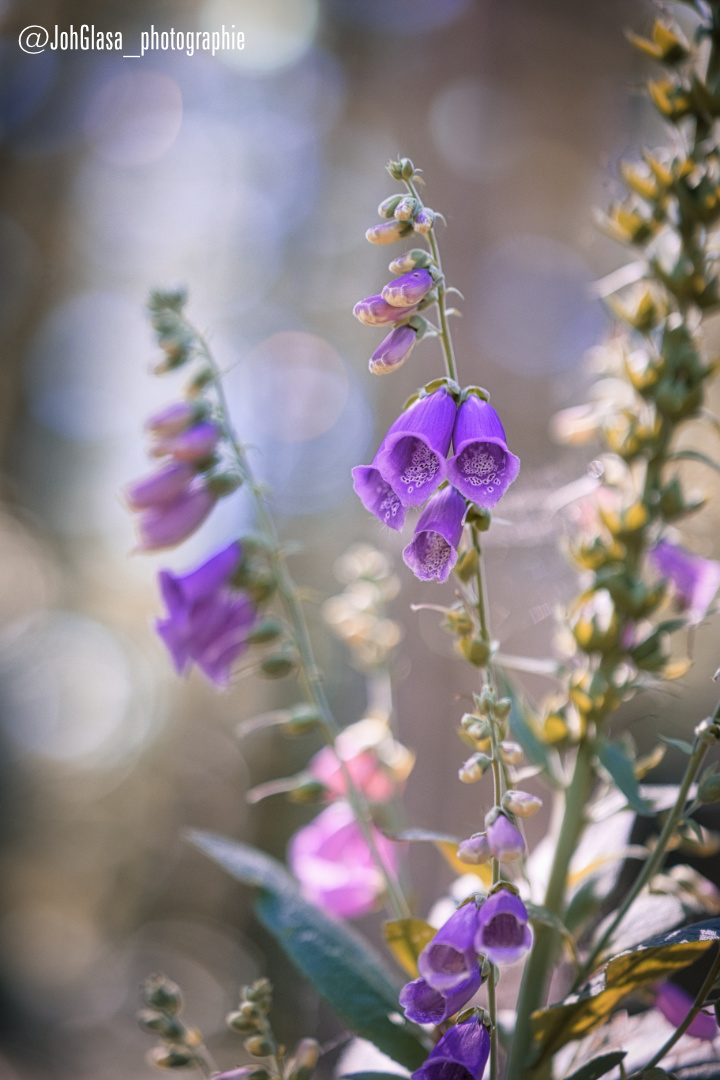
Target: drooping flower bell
x: 158, y: 489
x: 333, y: 863
x: 166, y: 524
x: 461, y: 1054
x: 412, y: 455
x: 425, y: 1005
x: 375, y: 311
x: 194, y: 444
x: 174, y: 418
x: 409, y: 289
x: 695, y: 579
x: 675, y: 1004
x: 207, y: 622
x: 483, y: 468
x: 433, y: 551
x: 394, y: 350
x: 503, y: 934
x: 377, y: 496
x: 450, y: 958
x: 505, y: 839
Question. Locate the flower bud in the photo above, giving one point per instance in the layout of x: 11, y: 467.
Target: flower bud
x: 475, y: 650
x: 510, y: 752
x: 521, y: 803
x: 160, y: 993
x: 394, y: 350
x: 505, y: 839
x: 258, y: 1046
x: 424, y: 221
x: 175, y: 1057
x: 474, y: 850
x: 222, y: 484
x: 175, y: 418
x: 388, y: 232
x: 409, y: 289
x: 268, y: 629
x: 375, y: 311
x: 306, y: 1058
x: 386, y: 209
x: 411, y: 260
x: 476, y: 726
x: 159, y: 1023
x: 406, y: 208
x: 279, y: 664
x: 474, y: 768
x: 260, y: 992
x: 709, y: 789
x: 237, y: 1021
x: 302, y: 718
x: 402, y: 169
x: 192, y: 444
x: 503, y: 708
x: 308, y: 792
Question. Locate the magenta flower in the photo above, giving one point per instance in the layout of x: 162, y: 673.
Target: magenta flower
x: 433, y: 551
x: 503, y: 934
x: 411, y: 458
x: 695, y: 579
x: 425, y: 1005
x: 394, y: 350
x: 675, y: 1004
x: 161, y: 487
x: 194, y: 444
x: 450, y: 958
x: 377, y: 496
x: 461, y: 1054
x: 483, y: 468
x: 166, y: 524
x: 374, y: 311
x: 505, y: 839
x: 334, y: 866
x: 409, y: 289
x: 207, y: 622
x: 175, y: 418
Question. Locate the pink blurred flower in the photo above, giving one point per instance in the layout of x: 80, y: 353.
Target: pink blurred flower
x: 333, y: 864
x: 675, y: 1004
x: 377, y: 764
x: 695, y: 579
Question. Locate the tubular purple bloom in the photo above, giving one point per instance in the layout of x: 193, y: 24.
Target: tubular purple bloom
x: 450, y: 958
x: 475, y: 849
x: 374, y: 311
x: 412, y: 455
x: 394, y: 350
x: 168, y: 524
x: 425, y: 1005
x: 483, y: 468
x: 377, y: 496
x: 461, y: 1054
x: 409, y: 289
x: 207, y: 622
x: 503, y: 934
x: 193, y: 444
x: 163, y: 486
x: 175, y: 418
x: 433, y: 551
x: 695, y: 579
x: 505, y: 839
x: 675, y: 1004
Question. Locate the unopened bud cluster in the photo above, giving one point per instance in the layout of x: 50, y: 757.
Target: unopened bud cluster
x: 181, y: 1046
x: 358, y: 615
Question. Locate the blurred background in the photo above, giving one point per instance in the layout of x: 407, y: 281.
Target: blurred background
x: 252, y: 177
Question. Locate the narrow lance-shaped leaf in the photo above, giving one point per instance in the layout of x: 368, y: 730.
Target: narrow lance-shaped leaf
x: 614, y: 757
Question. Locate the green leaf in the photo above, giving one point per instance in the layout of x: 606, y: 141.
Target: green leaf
x: 652, y: 961
x: 599, y: 1066
x: 339, y: 962
x: 679, y: 744
x: 521, y: 729
x: 614, y: 757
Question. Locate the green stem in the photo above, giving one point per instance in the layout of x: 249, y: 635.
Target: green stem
x: 309, y: 673
x: 542, y: 955
x: 492, y: 1009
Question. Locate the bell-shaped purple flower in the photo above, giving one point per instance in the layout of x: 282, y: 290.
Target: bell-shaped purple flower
x: 505, y: 839
x: 207, y: 622
x: 461, y: 1054
x: 425, y: 1005
x: 394, y: 350
x: 377, y: 496
x: 175, y: 418
x: 503, y: 934
x: 483, y: 468
x: 164, y: 525
x: 695, y: 579
x: 451, y: 957
x: 409, y: 289
x: 412, y: 455
x: 675, y: 1004
x: 433, y: 551
x: 161, y: 487
x: 194, y: 444
x: 374, y: 311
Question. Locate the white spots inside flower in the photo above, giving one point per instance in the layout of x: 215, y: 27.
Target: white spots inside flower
x: 503, y: 931
x: 433, y: 552
x: 388, y: 502
x: 482, y: 464
x: 421, y: 465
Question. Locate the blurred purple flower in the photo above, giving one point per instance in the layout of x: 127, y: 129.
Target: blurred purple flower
x: 207, y: 621
x: 374, y: 311
x: 695, y: 579
x: 193, y: 444
x: 175, y: 418
x: 394, y: 350
x: 483, y: 468
x: 433, y: 551
x: 377, y: 496
x: 166, y: 524
x: 475, y: 849
x: 161, y: 487
x: 412, y: 455
x: 461, y: 1054
x: 425, y: 1005
x: 334, y: 866
x: 675, y: 1004
x: 505, y: 839
x: 409, y: 289
x: 449, y: 959
x: 503, y: 935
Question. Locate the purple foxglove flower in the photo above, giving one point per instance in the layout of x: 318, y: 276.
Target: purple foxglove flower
x: 175, y: 418
x: 461, y: 1054
x: 675, y: 1004
x: 394, y: 350
x: 483, y: 468
x: 424, y: 221
x: 425, y: 1005
x: 412, y: 455
x: 163, y: 486
x: 168, y: 524
x: 408, y: 290
x: 377, y: 496
x: 433, y: 551
x: 334, y: 866
x: 207, y: 622
x: 505, y: 839
x: 450, y: 958
x: 503, y: 934
x: 194, y: 444
x: 374, y: 311
x: 695, y: 579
